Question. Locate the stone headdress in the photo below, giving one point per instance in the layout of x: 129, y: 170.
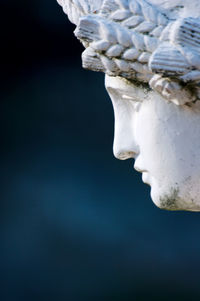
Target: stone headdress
x: 137, y: 40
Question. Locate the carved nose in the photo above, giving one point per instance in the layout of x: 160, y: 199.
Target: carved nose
x: 124, y: 146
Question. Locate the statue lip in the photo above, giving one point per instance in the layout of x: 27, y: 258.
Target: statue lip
x: 140, y: 170
x: 145, y: 174
x: 145, y: 177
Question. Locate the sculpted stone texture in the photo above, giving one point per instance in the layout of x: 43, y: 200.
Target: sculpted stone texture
x: 150, y: 53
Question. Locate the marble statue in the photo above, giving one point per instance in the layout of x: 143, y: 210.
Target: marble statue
x: 150, y: 53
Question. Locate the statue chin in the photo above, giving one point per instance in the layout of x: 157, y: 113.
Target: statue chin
x: 172, y: 200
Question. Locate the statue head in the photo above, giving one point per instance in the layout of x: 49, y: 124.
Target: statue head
x: 150, y: 53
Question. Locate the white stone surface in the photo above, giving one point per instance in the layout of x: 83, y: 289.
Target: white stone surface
x: 164, y: 140
x: 150, y: 52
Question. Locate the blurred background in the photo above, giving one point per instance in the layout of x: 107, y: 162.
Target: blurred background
x: 76, y: 224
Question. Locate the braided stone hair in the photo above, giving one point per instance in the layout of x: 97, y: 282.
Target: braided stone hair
x: 136, y: 40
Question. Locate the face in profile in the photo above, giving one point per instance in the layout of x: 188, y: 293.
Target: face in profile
x: 164, y: 140
x: 156, y: 42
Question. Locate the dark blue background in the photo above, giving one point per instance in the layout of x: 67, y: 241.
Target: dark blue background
x: 76, y: 224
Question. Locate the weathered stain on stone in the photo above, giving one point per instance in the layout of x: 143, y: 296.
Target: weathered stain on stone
x: 169, y: 201
x: 137, y: 83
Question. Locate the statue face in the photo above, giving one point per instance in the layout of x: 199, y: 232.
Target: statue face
x: 156, y: 42
x: 164, y: 140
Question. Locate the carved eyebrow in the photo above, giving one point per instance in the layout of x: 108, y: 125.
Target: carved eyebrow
x: 131, y: 98
x: 132, y: 93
